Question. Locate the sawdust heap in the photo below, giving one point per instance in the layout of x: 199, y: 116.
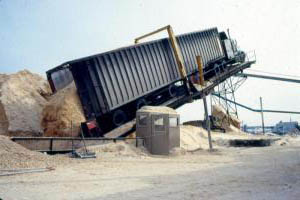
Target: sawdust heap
x: 228, y: 122
x: 22, y: 98
x: 191, y: 138
x: 158, y: 109
x: 14, y: 156
x: 120, y: 148
x: 63, y: 114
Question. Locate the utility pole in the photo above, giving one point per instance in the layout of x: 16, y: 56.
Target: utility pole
x: 207, y: 121
x: 202, y: 83
x: 262, y: 115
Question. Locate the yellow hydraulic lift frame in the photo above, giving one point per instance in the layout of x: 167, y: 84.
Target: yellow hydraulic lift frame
x: 177, y: 52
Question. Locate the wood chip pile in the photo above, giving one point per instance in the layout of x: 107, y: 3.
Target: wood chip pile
x: 63, y: 113
x: 14, y: 156
x: 228, y: 122
x: 158, y: 109
x: 27, y: 107
x: 22, y: 98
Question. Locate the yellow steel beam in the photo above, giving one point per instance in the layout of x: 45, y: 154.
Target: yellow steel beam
x: 177, y: 52
x: 200, y: 69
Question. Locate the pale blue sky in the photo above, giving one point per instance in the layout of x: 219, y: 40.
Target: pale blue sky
x: 42, y: 34
x: 39, y: 35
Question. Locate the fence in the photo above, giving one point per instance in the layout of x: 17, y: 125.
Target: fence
x: 66, y: 144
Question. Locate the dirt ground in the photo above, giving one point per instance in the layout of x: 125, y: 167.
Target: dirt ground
x: 228, y: 173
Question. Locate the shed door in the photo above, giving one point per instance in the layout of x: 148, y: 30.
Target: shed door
x: 174, y: 131
x: 159, y: 137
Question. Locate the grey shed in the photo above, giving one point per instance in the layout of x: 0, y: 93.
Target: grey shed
x: 159, y: 126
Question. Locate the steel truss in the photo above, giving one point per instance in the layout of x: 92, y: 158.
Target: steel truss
x: 227, y: 89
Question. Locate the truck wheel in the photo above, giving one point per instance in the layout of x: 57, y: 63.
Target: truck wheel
x: 173, y: 91
x: 223, y: 63
x: 119, y: 117
x: 140, y: 103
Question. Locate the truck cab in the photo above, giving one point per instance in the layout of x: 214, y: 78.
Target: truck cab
x: 232, y: 52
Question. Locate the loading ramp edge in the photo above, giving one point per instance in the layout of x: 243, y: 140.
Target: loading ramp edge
x: 175, y: 103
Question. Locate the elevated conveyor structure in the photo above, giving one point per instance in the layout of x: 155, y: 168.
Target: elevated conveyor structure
x: 113, y: 85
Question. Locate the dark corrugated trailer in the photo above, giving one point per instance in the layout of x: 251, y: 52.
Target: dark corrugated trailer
x: 205, y: 43
x: 112, y: 85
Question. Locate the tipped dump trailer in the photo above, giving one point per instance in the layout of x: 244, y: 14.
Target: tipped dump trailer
x: 114, y: 84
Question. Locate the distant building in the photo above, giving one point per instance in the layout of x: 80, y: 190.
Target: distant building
x: 256, y: 129
x: 285, y: 127
x: 280, y: 128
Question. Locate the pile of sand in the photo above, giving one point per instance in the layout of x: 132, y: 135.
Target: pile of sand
x: 22, y: 98
x: 63, y: 114
x: 14, y: 156
x: 228, y: 122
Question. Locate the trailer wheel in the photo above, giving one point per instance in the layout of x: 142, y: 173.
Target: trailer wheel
x: 173, y: 91
x: 119, y: 118
x: 140, y: 103
x: 217, y: 68
x: 223, y: 63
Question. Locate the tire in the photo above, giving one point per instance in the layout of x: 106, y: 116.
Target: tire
x: 172, y: 91
x: 140, y: 103
x: 223, y: 63
x: 119, y: 118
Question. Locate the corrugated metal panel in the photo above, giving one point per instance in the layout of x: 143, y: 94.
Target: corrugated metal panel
x: 109, y: 80
x: 128, y: 73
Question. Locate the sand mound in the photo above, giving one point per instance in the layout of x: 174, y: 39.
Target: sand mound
x: 22, y: 98
x: 63, y: 114
x: 228, y: 122
x: 14, y: 156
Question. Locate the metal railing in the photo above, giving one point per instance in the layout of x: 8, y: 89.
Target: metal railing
x: 65, y: 144
x: 250, y: 56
